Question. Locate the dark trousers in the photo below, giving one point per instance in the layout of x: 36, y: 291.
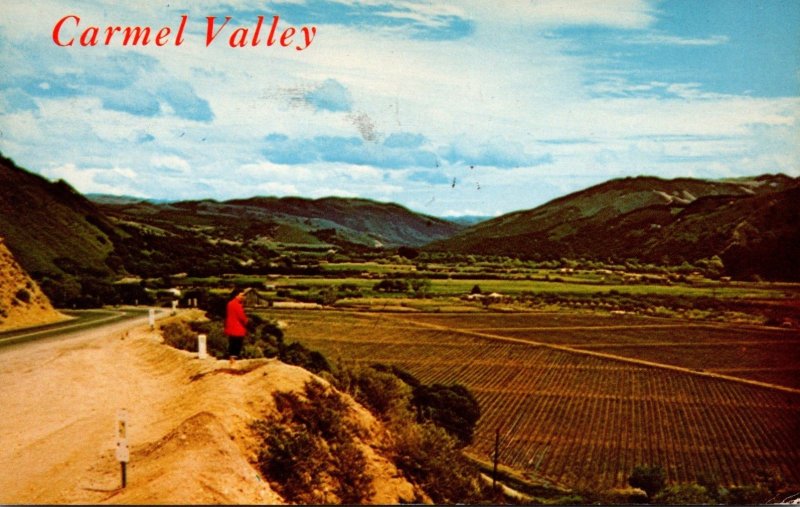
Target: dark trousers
x: 235, y: 346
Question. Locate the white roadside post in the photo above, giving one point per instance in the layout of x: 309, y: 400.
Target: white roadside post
x: 152, y: 318
x: 123, y: 454
x: 174, y: 306
x: 201, y: 346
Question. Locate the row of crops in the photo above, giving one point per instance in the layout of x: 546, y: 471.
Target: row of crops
x: 578, y: 420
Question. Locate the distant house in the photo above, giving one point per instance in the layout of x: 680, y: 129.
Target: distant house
x: 494, y: 297
x: 252, y: 298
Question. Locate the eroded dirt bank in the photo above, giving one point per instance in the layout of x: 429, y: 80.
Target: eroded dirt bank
x: 188, y: 423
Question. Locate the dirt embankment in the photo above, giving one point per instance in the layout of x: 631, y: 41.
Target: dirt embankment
x: 188, y: 423
x: 22, y: 303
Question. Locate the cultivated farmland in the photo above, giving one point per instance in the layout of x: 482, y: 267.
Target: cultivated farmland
x: 574, y: 398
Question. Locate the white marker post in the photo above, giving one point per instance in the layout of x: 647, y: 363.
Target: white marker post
x: 152, y: 318
x: 201, y: 346
x: 174, y: 306
x: 123, y: 454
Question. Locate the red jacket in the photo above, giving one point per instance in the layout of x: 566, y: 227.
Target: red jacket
x: 235, y: 319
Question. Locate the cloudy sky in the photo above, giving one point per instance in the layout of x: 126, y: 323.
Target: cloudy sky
x: 449, y: 108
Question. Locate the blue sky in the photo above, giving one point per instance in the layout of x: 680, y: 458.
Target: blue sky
x: 448, y: 108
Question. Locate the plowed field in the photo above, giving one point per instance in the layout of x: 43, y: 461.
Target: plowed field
x: 581, y: 400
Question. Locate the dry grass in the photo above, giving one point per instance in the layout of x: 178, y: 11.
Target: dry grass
x: 22, y: 303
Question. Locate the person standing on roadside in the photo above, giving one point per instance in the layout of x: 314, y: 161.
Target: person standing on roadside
x: 235, y: 324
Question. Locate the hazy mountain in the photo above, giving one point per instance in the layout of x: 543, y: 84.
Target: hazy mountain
x: 289, y: 220
x: 467, y: 220
x: 122, y: 199
x: 751, y: 223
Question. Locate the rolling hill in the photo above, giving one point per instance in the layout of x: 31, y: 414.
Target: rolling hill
x: 331, y: 221
x: 69, y: 243
x: 72, y: 245
x: 752, y: 224
x: 55, y: 233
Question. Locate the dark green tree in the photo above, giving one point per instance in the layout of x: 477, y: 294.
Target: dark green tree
x: 452, y: 408
x: 650, y: 479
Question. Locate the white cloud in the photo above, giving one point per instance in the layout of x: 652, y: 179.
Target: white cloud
x: 626, y: 14
x: 171, y: 162
x: 510, y: 85
x: 660, y: 38
x: 278, y: 189
x: 87, y: 180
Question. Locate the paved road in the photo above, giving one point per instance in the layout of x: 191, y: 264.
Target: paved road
x: 82, y: 320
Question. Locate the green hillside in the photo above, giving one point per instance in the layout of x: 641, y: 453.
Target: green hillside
x: 328, y: 222
x: 56, y: 234
x: 752, y: 224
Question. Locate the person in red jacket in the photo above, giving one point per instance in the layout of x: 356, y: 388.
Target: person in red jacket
x: 235, y: 324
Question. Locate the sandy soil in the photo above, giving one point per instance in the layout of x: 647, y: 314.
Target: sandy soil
x: 188, y: 422
x: 15, y: 313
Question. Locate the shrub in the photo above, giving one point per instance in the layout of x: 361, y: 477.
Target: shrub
x: 383, y: 393
x: 179, y: 334
x: 353, y: 486
x: 650, y: 479
x: 295, y: 459
x: 23, y: 295
x: 408, y: 252
x: 713, y: 489
x: 216, y: 341
x: 271, y: 329
x: 391, y: 286
x: 297, y: 354
x: 683, y: 494
x: 770, y: 479
x: 310, y: 446
x: 432, y: 458
x: 746, y: 495
x: 252, y: 351
x: 322, y: 412
x: 421, y: 287
x: 453, y: 408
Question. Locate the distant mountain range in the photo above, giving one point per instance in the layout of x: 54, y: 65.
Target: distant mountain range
x: 62, y: 238
x: 68, y: 242
x: 331, y: 221
x: 123, y: 200
x: 752, y: 224
x: 467, y: 220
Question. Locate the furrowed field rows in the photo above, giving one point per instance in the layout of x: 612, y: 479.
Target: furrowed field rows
x: 779, y: 376
x: 538, y: 320
x: 746, y: 361
x: 575, y: 419
x: 633, y: 335
x: 760, y: 354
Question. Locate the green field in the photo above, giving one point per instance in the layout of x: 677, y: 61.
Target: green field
x: 458, y: 287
